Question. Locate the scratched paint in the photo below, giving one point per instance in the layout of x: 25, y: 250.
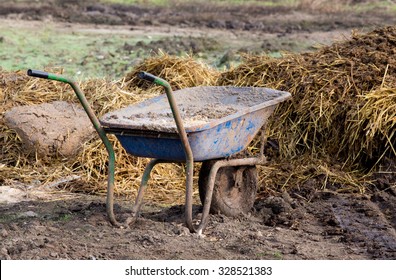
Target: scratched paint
x: 218, y: 142
x: 200, y: 108
x: 217, y: 138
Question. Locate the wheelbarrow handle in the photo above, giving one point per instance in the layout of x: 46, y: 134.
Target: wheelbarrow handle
x: 184, y: 140
x: 37, y: 74
x: 147, y: 76
x: 50, y: 76
x: 99, y: 129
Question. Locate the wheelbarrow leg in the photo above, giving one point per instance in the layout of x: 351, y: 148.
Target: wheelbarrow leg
x: 189, y: 193
x: 184, y: 139
x: 110, y: 189
x: 143, y: 185
x: 99, y: 129
x: 211, y: 183
x: 208, y: 201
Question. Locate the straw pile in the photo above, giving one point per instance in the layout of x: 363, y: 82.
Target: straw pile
x: 88, y: 171
x: 340, y: 105
x: 179, y: 72
x: 18, y: 89
x: 343, y: 113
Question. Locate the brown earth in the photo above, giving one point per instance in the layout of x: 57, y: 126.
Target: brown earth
x: 328, y: 226
x: 268, y: 19
x: 46, y: 222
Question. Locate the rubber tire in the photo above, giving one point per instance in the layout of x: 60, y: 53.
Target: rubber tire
x: 234, y: 190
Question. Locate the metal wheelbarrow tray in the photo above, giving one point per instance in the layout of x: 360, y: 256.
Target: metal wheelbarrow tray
x: 208, y: 124
x: 219, y: 122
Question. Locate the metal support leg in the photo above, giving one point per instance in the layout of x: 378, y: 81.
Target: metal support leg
x: 183, y: 138
x: 110, y: 190
x: 143, y: 185
x: 189, y: 193
x: 208, y: 197
x: 209, y: 191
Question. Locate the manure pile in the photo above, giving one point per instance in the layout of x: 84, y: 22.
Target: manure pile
x: 335, y: 132
x: 343, y: 97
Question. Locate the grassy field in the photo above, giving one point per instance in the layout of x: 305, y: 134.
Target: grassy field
x: 97, y: 52
x: 91, y: 53
x: 81, y: 54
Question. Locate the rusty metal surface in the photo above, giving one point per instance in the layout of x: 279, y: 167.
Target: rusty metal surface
x: 213, y: 138
x: 220, y: 141
x: 200, y: 108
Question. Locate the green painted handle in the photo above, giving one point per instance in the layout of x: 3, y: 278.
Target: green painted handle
x: 99, y: 129
x: 49, y: 76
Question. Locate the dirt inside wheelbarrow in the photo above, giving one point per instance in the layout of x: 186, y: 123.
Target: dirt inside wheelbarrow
x: 198, y: 106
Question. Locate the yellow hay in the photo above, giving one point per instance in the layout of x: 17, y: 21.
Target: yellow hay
x: 342, y: 113
x: 374, y: 124
x: 180, y: 72
x: 90, y: 166
x: 310, y: 174
x: 327, y: 87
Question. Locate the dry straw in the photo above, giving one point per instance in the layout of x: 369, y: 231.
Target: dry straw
x: 330, y: 89
x: 180, y: 72
x: 341, y: 117
x: 374, y: 125
x: 89, y: 169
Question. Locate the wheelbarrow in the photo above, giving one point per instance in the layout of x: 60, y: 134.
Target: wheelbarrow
x: 212, y: 125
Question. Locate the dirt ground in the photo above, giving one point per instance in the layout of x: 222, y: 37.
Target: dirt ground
x: 50, y: 223
x: 328, y: 226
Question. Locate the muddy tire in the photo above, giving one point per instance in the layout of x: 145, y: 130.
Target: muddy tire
x: 234, y: 190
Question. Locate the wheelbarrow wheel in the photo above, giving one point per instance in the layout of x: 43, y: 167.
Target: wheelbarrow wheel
x: 234, y: 189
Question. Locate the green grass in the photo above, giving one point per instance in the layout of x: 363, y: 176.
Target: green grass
x: 81, y: 54
x: 8, y: 218
x: 377, y: 5
x: 97, y: 54
x: 274, y: 255
x: 64, y: 217
x: 78, y: 53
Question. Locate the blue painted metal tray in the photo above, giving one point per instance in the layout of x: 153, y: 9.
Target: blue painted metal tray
x: 219, y: 121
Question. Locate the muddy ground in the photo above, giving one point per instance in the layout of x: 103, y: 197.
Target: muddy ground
x: 307, y: 223
x: 328, y: 226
